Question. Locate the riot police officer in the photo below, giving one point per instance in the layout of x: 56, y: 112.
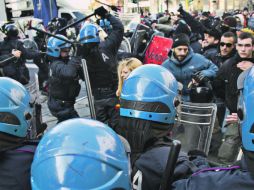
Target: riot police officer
x: 80, y: 154
x: 64, y: 78
x: 240, y: 175
x: 101, y: 58
x: 12, y: 50
x: 16, y: 153
x: 148, y: 107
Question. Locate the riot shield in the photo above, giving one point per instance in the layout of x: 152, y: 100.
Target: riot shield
x: 31, y: 45
x: 157, y: 50
x: 139, y: 35
x: 194, y: 126
x: 84, y: 102
x: 33, y: 88
x: 125, y: 46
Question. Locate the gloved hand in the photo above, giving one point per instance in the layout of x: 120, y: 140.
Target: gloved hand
x: 114, y: 8
x: 101, y: 11
x: 200, y: 77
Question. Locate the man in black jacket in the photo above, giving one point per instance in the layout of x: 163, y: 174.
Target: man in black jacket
x: 101, y: 59
x: 226, y: 49
x: 12, y: 50
x: 64, y: 75
x: 225, y: 86
x: 210, y: 43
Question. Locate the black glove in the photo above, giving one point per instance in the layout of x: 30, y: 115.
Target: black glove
x: 101, y: 11
x: 114, y: 8
x: 200, y: 77
x: 195, y: 153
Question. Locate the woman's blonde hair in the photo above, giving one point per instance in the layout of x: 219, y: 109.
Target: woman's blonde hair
x: 131, y: 64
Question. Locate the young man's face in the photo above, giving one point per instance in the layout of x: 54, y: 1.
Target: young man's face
x: 245, y: 47
x: 209, y: 40
x: 227, y: 44
x: 181, y: 52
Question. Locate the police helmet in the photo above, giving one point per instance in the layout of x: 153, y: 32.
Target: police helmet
x: 55, y: 45
x: 245, y: 108
x: 11, y: 30
x: 149, y: 84
x: 147, y: 106
x: 89, y: 34
x: 15, y: 110
x: 201, y: 94
x: 80, y: 154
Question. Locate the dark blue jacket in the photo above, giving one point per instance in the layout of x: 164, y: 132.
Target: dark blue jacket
x: 102, y: 59
x: 150, y: 166
x: 184, y: 70
x: 64, y: 79
x: 15, y: 68
x: 15, y: 168
x: 233, y: 178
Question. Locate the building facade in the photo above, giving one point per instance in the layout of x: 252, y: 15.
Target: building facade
x: 214, y: 6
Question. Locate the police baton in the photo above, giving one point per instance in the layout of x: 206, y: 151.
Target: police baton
x: 88, y: 90
x: 49, y: 34
x: 74, y: 23
x: 170, y: 167
x: 114, y: 8
x: 8, y: 59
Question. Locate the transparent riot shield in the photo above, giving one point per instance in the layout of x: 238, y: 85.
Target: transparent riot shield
x: 88, y: 90
x: 84, y: 102
x: 137, y: 40
x: 194, y: 126
x: 125, y: 46
x: 33, y: 88
x: 30, y: 44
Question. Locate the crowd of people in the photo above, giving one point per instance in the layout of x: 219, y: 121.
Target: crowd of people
x: 136, y: 105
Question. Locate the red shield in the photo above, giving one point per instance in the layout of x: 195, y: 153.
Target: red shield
x: 157, y: 50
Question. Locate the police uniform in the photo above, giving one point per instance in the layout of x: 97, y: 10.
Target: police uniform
x: 102, y: 69
x: 15, y: 168
x: 221, y: 178
x: 64, y: 87
x: 15, y: 68
x: 149, y: 168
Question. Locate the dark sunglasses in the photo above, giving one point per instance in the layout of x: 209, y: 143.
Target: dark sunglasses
x: 227, y: 44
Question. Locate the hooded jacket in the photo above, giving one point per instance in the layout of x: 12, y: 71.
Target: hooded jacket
x: 184, y: 70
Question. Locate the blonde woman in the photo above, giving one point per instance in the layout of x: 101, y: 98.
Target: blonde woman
x: 124, y: 69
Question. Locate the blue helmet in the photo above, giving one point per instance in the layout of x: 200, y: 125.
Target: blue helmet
x: 55, y: 45
x: 15, y: 110
x: 80, y: 154
x: 150, y: 84
x: 245, y: 84
x: 88, y: 34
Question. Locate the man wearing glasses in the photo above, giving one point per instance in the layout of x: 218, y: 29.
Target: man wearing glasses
x: 226, y: 48
x: 225, y: 86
